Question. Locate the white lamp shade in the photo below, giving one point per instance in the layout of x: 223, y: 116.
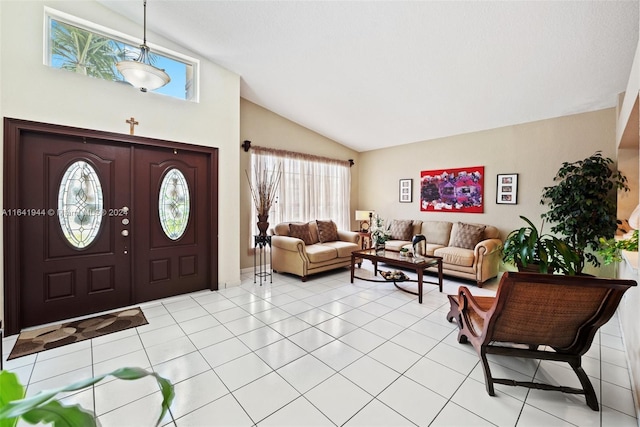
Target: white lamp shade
x: 362, y: 215
x: 143, y: 76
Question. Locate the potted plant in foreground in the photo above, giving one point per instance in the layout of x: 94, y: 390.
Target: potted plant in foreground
x: 46, y: 407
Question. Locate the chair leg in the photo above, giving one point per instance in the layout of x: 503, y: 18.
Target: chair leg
x: 589, y: 392
x: 462, y: 338
x: 454, y: 311
x: 488, y: 379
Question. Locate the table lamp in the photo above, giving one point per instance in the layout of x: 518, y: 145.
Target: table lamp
x: 365, y: 220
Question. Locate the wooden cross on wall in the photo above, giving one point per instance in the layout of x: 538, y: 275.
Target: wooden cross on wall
x: 132, y: 122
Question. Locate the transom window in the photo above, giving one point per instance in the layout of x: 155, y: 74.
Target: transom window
x: 74, y: 46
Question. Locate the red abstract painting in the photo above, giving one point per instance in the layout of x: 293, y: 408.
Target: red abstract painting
x: 452, y: 190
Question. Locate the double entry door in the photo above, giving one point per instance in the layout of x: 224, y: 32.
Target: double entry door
x: 103, y: 224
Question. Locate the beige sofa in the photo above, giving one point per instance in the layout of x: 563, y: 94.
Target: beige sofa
x: 308, y: 248
x: 469, y: 251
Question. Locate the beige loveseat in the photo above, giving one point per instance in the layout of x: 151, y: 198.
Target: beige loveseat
x: 307, y: 248
x: 469, y: 251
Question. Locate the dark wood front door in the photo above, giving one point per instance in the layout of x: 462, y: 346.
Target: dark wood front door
x: 69, y: 254
x: 166, y: 262
x: 64, y: 277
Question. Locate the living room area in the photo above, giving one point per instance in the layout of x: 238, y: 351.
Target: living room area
x: 325, y: 351
x: 532, y: 150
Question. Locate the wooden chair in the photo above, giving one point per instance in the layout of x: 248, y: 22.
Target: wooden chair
x: 538, y: 316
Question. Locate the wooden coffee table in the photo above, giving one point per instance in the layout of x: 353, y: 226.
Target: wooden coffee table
x: 418, y: 264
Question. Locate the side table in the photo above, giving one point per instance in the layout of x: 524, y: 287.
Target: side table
x: 260, y: 258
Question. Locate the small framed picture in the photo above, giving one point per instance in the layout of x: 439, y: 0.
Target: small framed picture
x: 406, y: 190
x: 507, y: 193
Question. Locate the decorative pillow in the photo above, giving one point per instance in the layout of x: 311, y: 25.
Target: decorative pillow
x: 327, y: 231
x: 301, y: 231
x: 401, y: 229
x: 468, y: 235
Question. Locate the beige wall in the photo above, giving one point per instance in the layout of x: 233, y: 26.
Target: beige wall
x: 267, y: 129
x: 32, y: 91
x: 533, y: 150
x: 628, y: 139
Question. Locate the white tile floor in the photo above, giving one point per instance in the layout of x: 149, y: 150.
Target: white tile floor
x: 322, y: 353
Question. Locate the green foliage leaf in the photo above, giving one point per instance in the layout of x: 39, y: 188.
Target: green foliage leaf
x: 11, y: 390
x: 11, y: 387
x: 44, y: 407
x: 60, y: 415
x: 523, y: 245
x: 611, y: 249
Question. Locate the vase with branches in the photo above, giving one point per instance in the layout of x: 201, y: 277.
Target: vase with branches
x: 264, y: 188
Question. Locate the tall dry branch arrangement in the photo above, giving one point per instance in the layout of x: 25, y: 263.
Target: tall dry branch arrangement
x: 264, y: 187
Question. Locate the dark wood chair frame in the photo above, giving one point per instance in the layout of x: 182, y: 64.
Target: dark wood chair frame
x: 533, y: 313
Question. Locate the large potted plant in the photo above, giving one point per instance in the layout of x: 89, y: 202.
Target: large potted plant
x: 582, y: 205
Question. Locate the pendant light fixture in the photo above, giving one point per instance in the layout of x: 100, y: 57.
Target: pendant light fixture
x: 140, y: 73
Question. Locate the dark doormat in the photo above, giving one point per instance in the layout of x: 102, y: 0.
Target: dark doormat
x: 53, y: 336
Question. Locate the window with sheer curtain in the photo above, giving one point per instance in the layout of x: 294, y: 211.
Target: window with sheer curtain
x: 311, y: 187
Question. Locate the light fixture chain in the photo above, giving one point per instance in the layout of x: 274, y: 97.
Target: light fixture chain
x: 144, y: 25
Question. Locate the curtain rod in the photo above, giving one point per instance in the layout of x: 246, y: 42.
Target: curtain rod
x: 246, y: 145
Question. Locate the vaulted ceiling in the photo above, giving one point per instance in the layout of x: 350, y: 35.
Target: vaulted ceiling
x: 374, y: 74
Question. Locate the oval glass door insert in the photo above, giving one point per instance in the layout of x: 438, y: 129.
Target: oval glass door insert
x: 80, y: 204
x: 173, y: 204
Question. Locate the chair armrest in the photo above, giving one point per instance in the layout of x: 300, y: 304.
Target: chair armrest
x: 467, y: 302
x: 349, y: 236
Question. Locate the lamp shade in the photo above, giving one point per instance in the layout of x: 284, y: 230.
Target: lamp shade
x: 362, y: 215
x: 143, y: 76
x: 140, y: 73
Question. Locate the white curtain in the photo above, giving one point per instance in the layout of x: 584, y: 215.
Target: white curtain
x: 311, y: 187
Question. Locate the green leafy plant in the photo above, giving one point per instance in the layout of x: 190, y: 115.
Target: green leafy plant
x: 582, y: 205
x: 531, y: 250
x: 45, y: 408
x: 611, y: 249
x: 527, y: 248
x: 564, y: 258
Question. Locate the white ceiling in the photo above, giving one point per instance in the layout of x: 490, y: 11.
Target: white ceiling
x: 374, y: 74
